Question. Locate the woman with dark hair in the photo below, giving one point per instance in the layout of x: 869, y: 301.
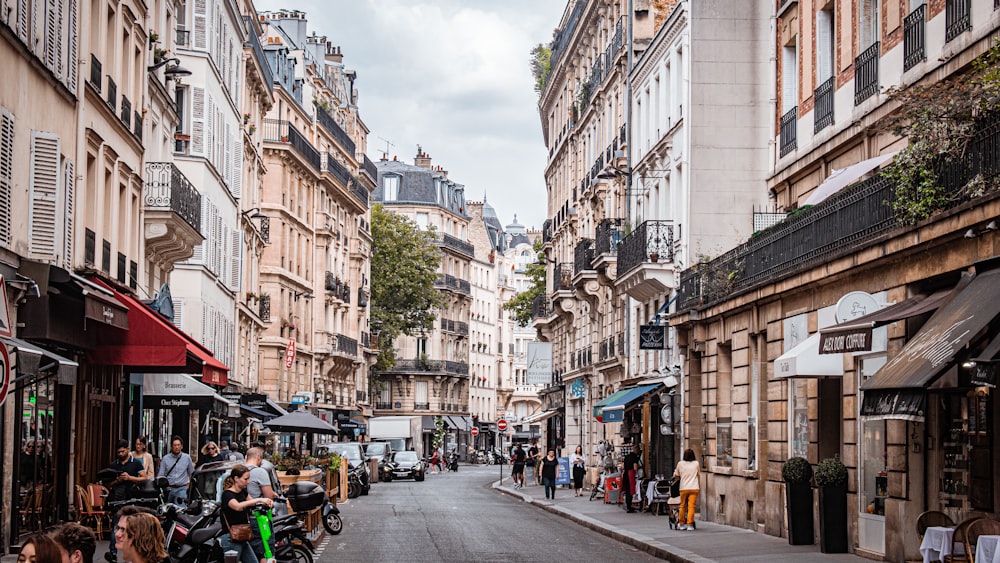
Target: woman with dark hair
x: 139, y: 537
x: 689, y: 472
x: 142, y: 454
x: 578, y: 462
x: 39, y: 548
x: 236, y: 505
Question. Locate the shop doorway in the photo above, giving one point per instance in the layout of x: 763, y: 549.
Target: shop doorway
x: 831, y: 416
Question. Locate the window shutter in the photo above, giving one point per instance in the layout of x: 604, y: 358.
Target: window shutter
x: 69, y: 181
x: 22, y: 20
x: 53, y: 36
x: 237, y: 257
x: 6, y: 175
x: 37, y: 44
x: 199, y: 251
x: 201, y: 24
x: 790, y: 78
x: 237, y: 185
x: 72, y: 46
x: 205, y: 321
x: 198, y: 116
x: 227, y: 172
x: 824, y: 45
x: 44, y: 193
x: 178, y: 312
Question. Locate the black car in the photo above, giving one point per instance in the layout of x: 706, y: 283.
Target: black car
x: 407, y: 464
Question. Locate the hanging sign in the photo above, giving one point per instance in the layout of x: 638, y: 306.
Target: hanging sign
x: 6, y: 328
x: 290, y: 354
x: 652, y: 337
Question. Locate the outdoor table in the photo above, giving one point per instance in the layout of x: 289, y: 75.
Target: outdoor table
x: 938, y: 543
x: 988, y: 549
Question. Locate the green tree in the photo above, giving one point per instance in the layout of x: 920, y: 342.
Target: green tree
x: 522, y: 303
x: 541, y: 66
x: 405, y: 263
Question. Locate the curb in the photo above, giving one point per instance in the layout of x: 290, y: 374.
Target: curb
x: 653, y: 547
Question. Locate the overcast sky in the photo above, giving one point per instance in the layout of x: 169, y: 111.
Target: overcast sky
x: 454, y: 77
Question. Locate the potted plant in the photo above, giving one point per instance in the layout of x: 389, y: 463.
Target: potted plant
x: 831, y: 478
x: 797, y: 474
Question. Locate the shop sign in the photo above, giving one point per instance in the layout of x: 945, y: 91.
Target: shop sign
x: 652, y: 337
x: 849, y: 340
x: 6, y: 328
x: 900, y: 404
x: 290, y: 354
x: 539, y: 370
x: 984, y: 374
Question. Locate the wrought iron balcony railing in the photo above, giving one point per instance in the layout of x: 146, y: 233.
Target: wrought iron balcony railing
x: 445, y: 366
x: 652, y: 241
x: 258, y: 51
x: 866, y: 73
x: 957, y: 18
x: 265, y: 308
x: 914, y: 37
x: 541, y: 307
x: 359, y: 191
x: 281, y: 131
x: 166, y: 187
x: 95, y: 73
x: 457, y: 244
x: 583, y: 256
x: 369, y: 168
x: 563, y: 276
x: 823, y: 111
x: 335, y: 131
x: 609, y: 233
x: 789, y: 131
x: 330, y: 164
x: 343, y: 345
x: 451, y: 282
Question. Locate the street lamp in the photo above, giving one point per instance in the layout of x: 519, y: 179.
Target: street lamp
x: 174, y: 71
x: 306, y: 294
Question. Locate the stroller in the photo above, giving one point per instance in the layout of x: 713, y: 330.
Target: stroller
x: 665, y: 493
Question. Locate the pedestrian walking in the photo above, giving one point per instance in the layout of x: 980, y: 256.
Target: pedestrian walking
x: 139, y: 536
x: 689, y: 472
x: 230, y: 454
x: 517, y: 466
x: 549, y: 468
x: 77, y: 541
x: 579, y: 469
x: 533, y: 460
x: 236, y: 505
x: 123, y: 487
x: 209, y: 453
x: 631, y: 466
x: 177, y: 467
x: 435, y: 463
x: 142, y: 454
x: 39, y: 548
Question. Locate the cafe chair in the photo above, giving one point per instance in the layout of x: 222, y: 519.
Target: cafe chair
x: 960, y: 532
x: 87, y: 515
x: 981, y: 527
x: 932, y: 518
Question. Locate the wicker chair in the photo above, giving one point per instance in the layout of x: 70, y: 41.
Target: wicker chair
x: 932, y: 518
x: 981, y: 527
x: 87, y: 515
x: 960, y: 531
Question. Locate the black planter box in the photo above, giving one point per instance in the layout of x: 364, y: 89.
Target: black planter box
x: 833, y: 518
x: 799, y: 502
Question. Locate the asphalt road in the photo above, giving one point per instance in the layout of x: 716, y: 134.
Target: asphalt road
x: 458, y: 517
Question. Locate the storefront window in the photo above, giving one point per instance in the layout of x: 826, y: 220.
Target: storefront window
x: 158, y: 425
x: 724, y: 443
x: 36, y: 462
x: 800, y: 418
x: 874, y: 479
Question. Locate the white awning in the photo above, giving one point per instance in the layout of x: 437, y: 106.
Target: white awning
x: 843, y: 177
x: 804, y: 360
x: 538, y: 417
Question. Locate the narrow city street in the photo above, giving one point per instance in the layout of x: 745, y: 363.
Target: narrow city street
x: 459, y: 517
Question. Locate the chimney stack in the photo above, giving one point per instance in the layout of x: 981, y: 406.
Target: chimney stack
x: 422, y: 159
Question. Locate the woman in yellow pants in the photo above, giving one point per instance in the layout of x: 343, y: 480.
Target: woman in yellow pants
x: 689, y: 472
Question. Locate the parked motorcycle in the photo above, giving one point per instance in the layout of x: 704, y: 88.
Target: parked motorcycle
x: 453, y: 461
x: 354, y: 482
x: 191, y: 531
x: 303, y: 493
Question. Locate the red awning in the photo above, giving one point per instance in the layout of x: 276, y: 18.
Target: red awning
x: 152, y: 343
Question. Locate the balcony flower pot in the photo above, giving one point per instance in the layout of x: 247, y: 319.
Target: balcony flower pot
x: 831, y: 478
x: 797, y: 474
x: 654, y: 256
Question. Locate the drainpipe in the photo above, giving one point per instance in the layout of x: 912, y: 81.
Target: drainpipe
x: 628, y: 166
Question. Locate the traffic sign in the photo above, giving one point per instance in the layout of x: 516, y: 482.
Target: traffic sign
x: 475, y: 430
x: 6, y: 328
x: 4, y: 372
x: 502, y: 425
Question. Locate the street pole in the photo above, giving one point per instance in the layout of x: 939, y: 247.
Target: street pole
x: 503, y: 457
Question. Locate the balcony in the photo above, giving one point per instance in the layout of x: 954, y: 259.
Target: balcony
x: 340, y: 346
x: 95, y: 73
x: 789, y: 129
x: 823, y: 111
x: 856, y: 218
x: 611, y: 348
x: 369, y: 169
x: 446, y: 367
x: 608, y: 234
x: 281, y: 131
x: 172, y: 213
x: 265, y: 308
x: 457, y: 245
x: 583, y: 257
x: 450, y: 282
x: 957, y: 18
x: 541, y: 307
x: 360, y: 192
x: 866, y: 73
x: 337, y: 288
x: 646, y: 261
x: 914, y: 37
x: 335, y: 131
x: 563, y: 277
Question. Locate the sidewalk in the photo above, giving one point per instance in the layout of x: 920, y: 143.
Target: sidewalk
x: 652, y: 534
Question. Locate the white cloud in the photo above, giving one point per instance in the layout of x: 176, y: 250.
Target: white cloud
x: 452, y: 76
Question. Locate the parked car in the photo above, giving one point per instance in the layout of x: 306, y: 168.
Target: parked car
x: 407, y: 464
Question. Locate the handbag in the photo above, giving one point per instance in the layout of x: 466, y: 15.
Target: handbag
x: 240, y: 532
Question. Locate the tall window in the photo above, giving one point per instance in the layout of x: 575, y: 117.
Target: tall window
x: 390, y: 188
x: 421, y: 395
x: 789, y: 77
x: 421, y: 347
x: 867, y: 23
x: 422, y: 220
x: 824, y: 45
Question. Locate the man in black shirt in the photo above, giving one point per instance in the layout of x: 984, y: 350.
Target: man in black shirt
x: 631, y: 464
x: 534, y: 459
x: 517, y: 471
x: 123, y: 487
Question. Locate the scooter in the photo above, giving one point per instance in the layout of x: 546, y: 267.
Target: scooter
x: 453, y: 461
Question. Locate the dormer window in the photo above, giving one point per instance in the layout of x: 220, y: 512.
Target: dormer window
x: 390, y: 188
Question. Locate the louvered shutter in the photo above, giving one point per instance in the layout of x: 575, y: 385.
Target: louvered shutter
x: 37, y: 31
x: 237, y: 257
x: 205, y: 323
x: 227, y: 172
x: 237, y: 186
x: 53, y: 36
x: 199, y: 251
x: 6, y: 175
x: 198, y: 116
x: 201, y: 24
x: 178, y: 312
x: 44, y: 192
x: 72, y: 46
x: 22, y: 20
x: 69, y: 180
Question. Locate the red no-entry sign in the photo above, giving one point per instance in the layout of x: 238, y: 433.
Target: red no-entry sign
x: 475, y: 431
x: 502, y: 425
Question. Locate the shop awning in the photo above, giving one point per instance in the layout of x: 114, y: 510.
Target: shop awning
x: 599, y: 407
x: 538, y: 417
x: 256, y: 413
x: 984, y: 366
x: 804, y: 360
x: 843, y: 177
x: 897, y: 390
x: 855, y: 335
x: 32, y: 358
x: 152, y: 343
x: 99, y: 304
x: 615, y: 410
x: 181, y: 391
